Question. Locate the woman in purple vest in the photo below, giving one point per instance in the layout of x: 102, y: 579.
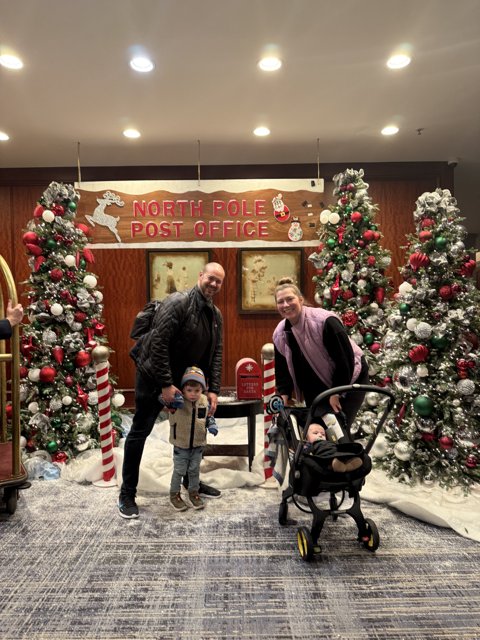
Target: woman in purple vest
x: 313, y: 353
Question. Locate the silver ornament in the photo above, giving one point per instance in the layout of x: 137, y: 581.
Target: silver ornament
x: 423, y: 331
x: 466, y: 387
x: 55, y: 404
x: 404, y: 377
x: 82, y: 442
x: 403, y: 450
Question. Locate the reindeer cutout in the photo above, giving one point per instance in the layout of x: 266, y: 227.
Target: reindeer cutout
x: 104, y: 219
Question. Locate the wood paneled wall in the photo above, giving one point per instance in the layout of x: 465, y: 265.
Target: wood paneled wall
x: 121, y: 272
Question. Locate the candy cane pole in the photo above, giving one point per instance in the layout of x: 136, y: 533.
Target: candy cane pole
x: 268, y: 363
x: 100, y: 355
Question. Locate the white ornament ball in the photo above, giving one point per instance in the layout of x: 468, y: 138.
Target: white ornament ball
x: 380, y: 447
x: 324, y: 216
x: 372, y: 399
x: 334, y: 218
x: 90, y: 281
x: 93, y: 398
x: 69, y: 260
x: 327, y: 293
x: 23, y: 442
x: 33, y: 407
x: 357, y: 338
x: 48, y: 215
x: 98, y: 296
x: 317, y: 297
x: 34, y: 375
x: 361, y: 284
x: 56, y: 309
x: 411, y: 324
x: 466, y: 387
x: 423, y: 330
x: 403, y: 450
x: 385, y: 261
x: 67, y: 401
x: 405, y: 287
x: 422, y: 371
x: 118, y: 400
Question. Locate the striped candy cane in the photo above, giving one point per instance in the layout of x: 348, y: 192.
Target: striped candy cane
x: 268, y: 363
x: 100, y: 355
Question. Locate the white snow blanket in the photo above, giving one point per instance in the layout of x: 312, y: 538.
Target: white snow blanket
x: 433, y: 505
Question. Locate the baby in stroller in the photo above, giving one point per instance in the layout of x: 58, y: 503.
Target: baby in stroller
x: 325, y: 459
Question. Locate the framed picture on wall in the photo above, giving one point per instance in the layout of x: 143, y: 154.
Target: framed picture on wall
x: 259, y: 271
x: 169, y: 271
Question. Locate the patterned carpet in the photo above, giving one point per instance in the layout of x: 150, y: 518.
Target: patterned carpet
x: 72, y: 568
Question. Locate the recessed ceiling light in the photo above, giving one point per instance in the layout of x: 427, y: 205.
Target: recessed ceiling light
x: 131, y: 133
x: 261, y: 131
x: 141, y: 64
x: 391, y: 130
x: 10, y: 61
x: 270, y: 63
x: 398, y: 61
x: 4, y: 136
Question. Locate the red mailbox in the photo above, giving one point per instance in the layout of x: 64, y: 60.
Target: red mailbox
x: 249, y: 379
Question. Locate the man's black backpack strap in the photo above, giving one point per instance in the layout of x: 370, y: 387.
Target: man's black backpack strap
x: 143, y: 322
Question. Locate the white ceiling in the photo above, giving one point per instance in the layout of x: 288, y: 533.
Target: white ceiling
x: 76, y: 85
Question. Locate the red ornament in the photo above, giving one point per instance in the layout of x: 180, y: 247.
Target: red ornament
x: 445, y: 442
x: 37, y: 212
x: 344, y: 200
x: 418, y: 260
x: 335, y: 290
x: 47, y: 374
x: 379, y: 294
x: 340, y: 231
x: 80, y: 316
x: 8, y: 411
x: 88, y: 255
x: 428, y: 437
x: 69, y: 381
x: 401, y: 413
x: 82, y: 358
x: 56, y: 275
x: 23, y: 372
x: 445, y: 292
x: 368, y: 235
x: 427, y: 222
x: 58, y: 210
x: 356, y: 217
x: 350, y: 318
x: 424, y: 236
x: 84, y: 228
x: 30, y: 237
x: 34, y: 249
x: 467, y: 268
x: 60, y: 456
x: 371, y: 260
x: 375, y: 347
x: 471, y: 461
x: 418, y: 353
x: 58, y: 354
x: 361, y: 243
x: 82, y: 397
x: 376, y: 236
x: 472, y: 338
x: 37, y: 263
x: 91, y: 344
x: 347, y: 295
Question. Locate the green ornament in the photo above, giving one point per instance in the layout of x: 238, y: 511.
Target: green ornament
x: 117, y: 420
x: 348, y: 209
x: 331, y: 242
x: 440, y: 242
x: 68, y: 366
x: 52, y: 446
x: 341, y: 258
x: 51, y: 244
x: 56, y: 423
x: 368, y: 338
x: 72, y: 206
x: 82, y: 263
x: 373, y: 227
x: 423, y: 405
x: 439, y: 342
x: 404, y: 308
x: 325, y: 303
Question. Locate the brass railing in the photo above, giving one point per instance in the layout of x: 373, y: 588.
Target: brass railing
x: 14, y: 358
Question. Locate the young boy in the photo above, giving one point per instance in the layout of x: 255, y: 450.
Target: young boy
x: 188, y: 434
x: 330, y: 452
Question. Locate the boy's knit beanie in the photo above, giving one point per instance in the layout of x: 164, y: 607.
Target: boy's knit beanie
x: 194, y: 374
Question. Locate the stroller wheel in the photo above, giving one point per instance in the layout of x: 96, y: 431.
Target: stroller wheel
x: 305, y: 544
x: 373, y: 541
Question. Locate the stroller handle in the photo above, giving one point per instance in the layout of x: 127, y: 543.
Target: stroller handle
x: 360, y: 387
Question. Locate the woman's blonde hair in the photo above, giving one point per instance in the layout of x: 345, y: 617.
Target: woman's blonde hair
x: 287, y: 283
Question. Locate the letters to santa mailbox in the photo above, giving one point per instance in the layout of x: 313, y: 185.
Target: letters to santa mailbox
x: 249, y: 379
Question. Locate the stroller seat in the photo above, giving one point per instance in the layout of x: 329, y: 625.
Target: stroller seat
x: 309, y: 473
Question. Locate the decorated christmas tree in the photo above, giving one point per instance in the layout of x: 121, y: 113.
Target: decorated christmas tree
x: 58, y: 383
x: 432, y: 352
x: 350, y: 266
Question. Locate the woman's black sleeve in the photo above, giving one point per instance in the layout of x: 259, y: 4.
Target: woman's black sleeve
x: 337, y: 343
x: 283, y: 380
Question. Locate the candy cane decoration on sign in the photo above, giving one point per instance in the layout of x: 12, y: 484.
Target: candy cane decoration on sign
x: 268, y: 362
x: 100, y: 355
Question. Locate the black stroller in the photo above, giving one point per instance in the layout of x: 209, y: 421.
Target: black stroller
x: 308, y: 475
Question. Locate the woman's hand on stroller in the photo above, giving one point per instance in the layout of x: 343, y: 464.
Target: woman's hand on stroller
x: 335, y: 403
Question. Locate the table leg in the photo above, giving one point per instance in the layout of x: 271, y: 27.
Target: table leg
x: 252, y: 428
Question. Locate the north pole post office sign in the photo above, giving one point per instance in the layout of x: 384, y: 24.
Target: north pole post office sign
x: 179, y: 213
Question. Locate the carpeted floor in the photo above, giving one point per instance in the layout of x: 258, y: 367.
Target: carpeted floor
x: 71, y: 568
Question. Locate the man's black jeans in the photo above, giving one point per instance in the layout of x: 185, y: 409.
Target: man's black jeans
x: 147, y: 408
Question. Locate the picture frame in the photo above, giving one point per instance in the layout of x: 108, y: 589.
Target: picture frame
x: 175, y: 270
x: 259, y: 271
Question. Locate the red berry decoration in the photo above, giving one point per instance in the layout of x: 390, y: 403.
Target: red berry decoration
x: 427, y: 222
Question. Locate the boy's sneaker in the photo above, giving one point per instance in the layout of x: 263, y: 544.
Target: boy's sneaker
x: 177, y: 503
x: 127, y: 507
x: 208, y: 492
x: 197, y: 502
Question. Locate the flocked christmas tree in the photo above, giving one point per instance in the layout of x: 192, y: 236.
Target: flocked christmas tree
x: 432, y: 352
x: 58, y: 385
x: 350, y: 264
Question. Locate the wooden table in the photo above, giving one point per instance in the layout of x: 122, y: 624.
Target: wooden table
x: 238, y: 409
